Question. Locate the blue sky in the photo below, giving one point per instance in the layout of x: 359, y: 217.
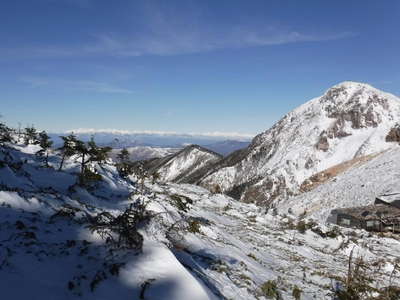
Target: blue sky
x: 186, y: 66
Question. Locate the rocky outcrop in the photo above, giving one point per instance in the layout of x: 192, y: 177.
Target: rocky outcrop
x: 394, y: 134
x: 322, y: 143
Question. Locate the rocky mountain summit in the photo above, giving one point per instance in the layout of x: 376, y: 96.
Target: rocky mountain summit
x: 350, y: 120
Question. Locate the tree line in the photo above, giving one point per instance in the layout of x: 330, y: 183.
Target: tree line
x: 85, y: 152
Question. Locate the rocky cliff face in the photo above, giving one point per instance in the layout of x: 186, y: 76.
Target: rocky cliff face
x: 350, y: 120
x: 394, y: 134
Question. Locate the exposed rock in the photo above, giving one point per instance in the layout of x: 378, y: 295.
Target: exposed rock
x: 309, y: 163
x: 394, y: 134
x: 337, y: 129
x: 322, y: 143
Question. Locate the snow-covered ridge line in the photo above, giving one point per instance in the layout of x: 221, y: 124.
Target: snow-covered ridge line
x: 181, y: 165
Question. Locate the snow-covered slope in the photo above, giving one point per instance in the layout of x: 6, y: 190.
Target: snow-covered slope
x: 350, y: 120
x: 357, y: 186
x: 196, y: 245
x: 48, y: 249
x: 181, y: 165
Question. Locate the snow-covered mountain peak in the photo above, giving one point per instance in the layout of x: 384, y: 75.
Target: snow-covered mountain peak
x: 354, y: 93
x: 348, y: 104
x: 349, y: 84
x: 348, y: 121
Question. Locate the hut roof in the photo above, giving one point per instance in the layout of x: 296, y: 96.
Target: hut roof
x: 390, y: 197
x: 377, y: 211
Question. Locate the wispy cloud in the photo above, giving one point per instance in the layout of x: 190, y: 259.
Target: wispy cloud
x: 82, y: 85
x: 161, y: 33
x: 184, y: 42
x: 174, y: 43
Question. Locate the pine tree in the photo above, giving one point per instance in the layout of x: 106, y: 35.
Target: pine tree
x: 67, y: 149
x: 123, y: 156
x: 155, y: 177
x: 83, y: 151
x: 104, y: 154
x: 90, y: 152
x: 30, y: 136
x: 124, y: 164
x: 19, y: 132
x: 45, y: 143
x: 97, y: 154
x: 5, y: 134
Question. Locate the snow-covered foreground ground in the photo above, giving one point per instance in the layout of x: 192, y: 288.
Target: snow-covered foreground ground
x: 240, y: 247
x: 196, y: 245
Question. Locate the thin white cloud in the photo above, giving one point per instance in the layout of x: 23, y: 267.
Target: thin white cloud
x: 235, y: 135
x: 173, y: 40
x: 99, y: 87
x: 172, y: 30
x: 186, y: 42
x: 82, y: 85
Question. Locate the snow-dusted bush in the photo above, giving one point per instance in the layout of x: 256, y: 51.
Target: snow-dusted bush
x: 269, y: 289
x: 122, y: 231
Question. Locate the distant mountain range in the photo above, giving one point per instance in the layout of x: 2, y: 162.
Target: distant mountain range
x: 145, y: 152
x: 145, y: 145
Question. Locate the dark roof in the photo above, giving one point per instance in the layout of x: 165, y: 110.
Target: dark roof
x: 376, y: 211
x: 389, y: 197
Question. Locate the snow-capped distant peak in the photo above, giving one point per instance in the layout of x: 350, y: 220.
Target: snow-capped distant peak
x: 216, y: 134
